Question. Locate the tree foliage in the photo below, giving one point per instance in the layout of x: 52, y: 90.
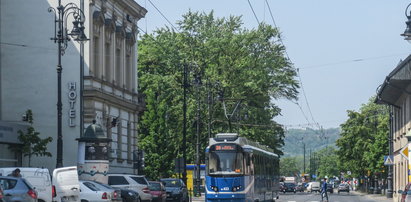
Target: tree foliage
x: 32, y: 144
x: 239, y: 65
x: 364, y: 139
x: 289, y: 166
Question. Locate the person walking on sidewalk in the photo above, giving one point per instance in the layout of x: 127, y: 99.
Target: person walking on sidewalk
x: 324, y: 194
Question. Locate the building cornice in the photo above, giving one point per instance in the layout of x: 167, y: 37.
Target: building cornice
x: 133, y: 8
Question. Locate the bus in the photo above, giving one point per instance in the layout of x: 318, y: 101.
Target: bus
x: 240, y: 170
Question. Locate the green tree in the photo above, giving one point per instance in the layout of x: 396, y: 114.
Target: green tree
x: 289, y: 166
x: 328, y: 162
x: 364, y: 139
x: 32, y: 144
x: 248, y: 66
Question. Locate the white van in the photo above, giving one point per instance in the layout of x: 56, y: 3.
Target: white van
x: 65, y: 181
x: 66, y: 184
x: 38, y: 177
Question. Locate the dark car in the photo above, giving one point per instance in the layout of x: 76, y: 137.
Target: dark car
x: 176, y: 189
x: 158, y: 191
x: 289, y: 187
x: 343, y: 188
x: 17, y: 189
x: 300, y: 188
x: 330, y: 188
x: 129, y: 195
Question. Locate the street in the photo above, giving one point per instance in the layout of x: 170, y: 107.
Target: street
x: 335, y: 197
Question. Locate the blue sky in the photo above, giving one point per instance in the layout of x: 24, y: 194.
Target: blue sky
x: 343, y: 49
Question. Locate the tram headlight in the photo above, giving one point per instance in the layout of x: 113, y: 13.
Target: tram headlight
x: 214, y: 188
x: 236, y: 188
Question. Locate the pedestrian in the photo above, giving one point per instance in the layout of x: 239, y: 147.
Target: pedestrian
x: 324, y: 190
x: 15, y: 173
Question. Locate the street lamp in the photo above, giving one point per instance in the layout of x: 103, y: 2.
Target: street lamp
x: 62, y: 37
x: 407, y: 32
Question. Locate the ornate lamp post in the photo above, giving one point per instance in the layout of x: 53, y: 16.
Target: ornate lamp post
x: 62, y: 37
x: 407, y: 32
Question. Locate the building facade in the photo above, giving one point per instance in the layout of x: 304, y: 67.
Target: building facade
x: 396, y: 92
x: 29, y: 80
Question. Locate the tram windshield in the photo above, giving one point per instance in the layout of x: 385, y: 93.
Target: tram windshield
x: 225, y: 163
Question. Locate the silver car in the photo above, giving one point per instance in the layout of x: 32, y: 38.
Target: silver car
x: 17, y: 189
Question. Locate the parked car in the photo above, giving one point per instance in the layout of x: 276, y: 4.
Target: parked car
x: 17, y: 189
x: 128, y: 195
x: 299, y: 187
x: 40, y: 178
x: 330, y: 188
x: 116, y: 192
x: 176, y: 189
x: 343, y: 187
x: 92, y: 191
x: 406, y: 193
x: 158, y: 191
x: 313, y: 187
x: 289, y: 187
x: 65, y: 178
x: 136, y: 183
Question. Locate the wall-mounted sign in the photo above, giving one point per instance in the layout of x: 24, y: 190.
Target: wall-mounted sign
x: 72, y: 96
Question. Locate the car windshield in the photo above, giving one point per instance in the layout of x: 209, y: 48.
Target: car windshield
x: 171, y: 183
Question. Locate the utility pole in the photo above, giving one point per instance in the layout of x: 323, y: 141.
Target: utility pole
x: 185, y: 86
x: 304, y: 156
x: 198, y: 173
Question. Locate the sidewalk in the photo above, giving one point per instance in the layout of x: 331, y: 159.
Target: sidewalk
x: 375, y: 197
x: 198, y: 199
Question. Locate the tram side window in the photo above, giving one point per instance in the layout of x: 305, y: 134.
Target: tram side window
x: 247, y: 164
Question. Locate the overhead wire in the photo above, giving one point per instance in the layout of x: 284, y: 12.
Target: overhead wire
x: 298, y: 75
x: 252, y: 9
x: 162, y: 14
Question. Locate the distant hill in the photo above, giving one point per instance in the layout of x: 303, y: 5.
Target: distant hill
x: 313, y: 139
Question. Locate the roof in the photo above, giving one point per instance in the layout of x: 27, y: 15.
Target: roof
x: 396, y: 84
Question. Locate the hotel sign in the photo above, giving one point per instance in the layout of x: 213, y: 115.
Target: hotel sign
x: 72, y: 96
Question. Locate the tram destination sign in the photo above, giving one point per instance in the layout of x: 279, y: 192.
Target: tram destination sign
x: 225, y: 147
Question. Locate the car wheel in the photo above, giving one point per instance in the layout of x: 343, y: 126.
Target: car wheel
x: 82, y: 200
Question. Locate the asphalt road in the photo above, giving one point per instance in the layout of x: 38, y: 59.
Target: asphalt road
x: 335, y: 197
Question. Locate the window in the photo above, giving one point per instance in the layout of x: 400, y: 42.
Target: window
x: 117, y: 180
x: 129, y: 141
x: 140, y: 180
x: 118, y: 67
x: 107, y: 56
x: 91, y: 186
x: 129, y: 75
x: 226, y: 162
x: 119, y: 141
x: 8, y: 183
x: 96, y: 52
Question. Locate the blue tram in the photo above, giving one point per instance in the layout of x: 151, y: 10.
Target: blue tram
x: 240, y: 170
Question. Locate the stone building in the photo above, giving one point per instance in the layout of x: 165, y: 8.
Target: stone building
x: 396, y: 92
x: 28, y: 60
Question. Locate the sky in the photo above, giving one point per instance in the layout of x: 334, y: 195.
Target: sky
x: 343, y: 49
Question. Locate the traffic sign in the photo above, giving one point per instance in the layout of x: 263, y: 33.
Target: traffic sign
x: 388, y: 160
x: 404, y: 151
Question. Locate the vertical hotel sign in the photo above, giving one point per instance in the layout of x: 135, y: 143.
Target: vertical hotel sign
x: 72, y: 96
